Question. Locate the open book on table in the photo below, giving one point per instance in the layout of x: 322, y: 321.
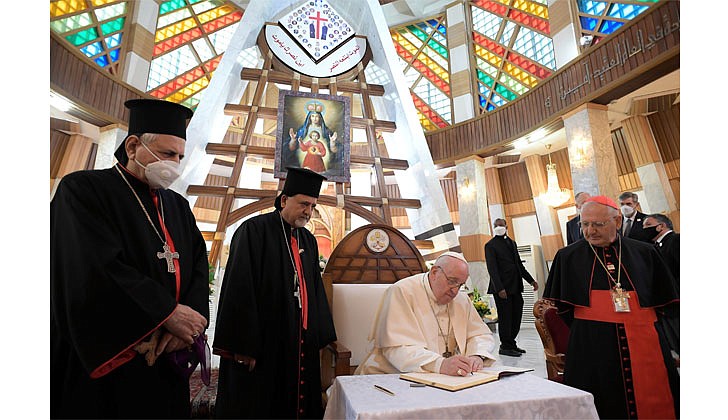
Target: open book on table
x: 456, y: 383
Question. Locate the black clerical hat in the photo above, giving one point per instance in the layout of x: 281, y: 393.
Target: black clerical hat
x: 300, y: 181
x: 154, y: 116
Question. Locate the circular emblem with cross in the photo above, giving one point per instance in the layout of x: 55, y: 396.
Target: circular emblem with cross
x: 377, y: 240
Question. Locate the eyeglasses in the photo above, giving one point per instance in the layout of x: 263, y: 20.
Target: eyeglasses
x: 452, y: 283
x: 595, y: 225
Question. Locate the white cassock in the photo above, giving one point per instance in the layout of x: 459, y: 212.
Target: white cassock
x: 405, y: 336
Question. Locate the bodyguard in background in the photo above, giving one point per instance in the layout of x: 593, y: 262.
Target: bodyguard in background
x: 506, y: 271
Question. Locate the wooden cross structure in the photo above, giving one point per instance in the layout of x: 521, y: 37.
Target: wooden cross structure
x: 373, y: 154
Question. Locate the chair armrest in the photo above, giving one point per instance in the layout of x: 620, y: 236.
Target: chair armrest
x: 558, y: 359
x: 341, y: 358
x: 335, y: 361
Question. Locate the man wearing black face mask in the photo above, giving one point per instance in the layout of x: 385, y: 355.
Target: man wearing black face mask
x: 658, y: 228
x: 128, y: 263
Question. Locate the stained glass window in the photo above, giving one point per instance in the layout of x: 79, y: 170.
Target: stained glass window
x: 189, y: 42
x: 600, y: 18
x: 512, y: 47
x: 424, y: 59
x: 95, y: 27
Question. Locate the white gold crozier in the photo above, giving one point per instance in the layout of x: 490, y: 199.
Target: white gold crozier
x: 169, y: 256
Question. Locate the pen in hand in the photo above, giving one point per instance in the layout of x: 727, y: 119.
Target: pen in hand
x: 383, y: 389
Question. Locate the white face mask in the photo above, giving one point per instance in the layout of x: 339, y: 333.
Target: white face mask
x: 500, y: 230
x: 160, y: 174
x: 627, y: 211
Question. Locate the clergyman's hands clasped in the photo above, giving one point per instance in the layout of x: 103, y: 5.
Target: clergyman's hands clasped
x: 186, y: 323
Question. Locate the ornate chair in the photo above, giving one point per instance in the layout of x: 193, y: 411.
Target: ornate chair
x: 554, y: 336
x: 359, y: 271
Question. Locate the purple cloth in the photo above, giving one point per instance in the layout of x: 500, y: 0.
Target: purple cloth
x: 185, y: 361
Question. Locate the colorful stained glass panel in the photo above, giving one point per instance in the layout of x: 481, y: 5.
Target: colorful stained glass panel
x: 190, y: 40
x: 112, y: 26
x: 171, y: 5
x: 62, y: 26
x: 173, y: 17
x: 113, y: 41
x: 424, y: 58
x: 609, y: 26
x: 513, y: 49
x: 92, y: 49
x: 109, y: 12
x: 204, y: 6
x: 486, y: 23
x: 592, y: 7
x: 221, y: 39
x: 80, y: 38
x: 601, y: 18
x: 66, y: 7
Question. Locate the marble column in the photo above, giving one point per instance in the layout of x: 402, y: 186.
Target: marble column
x: 473, y: 210
x: 460, y: 77
x: 110, y: 138
x: 591, y: 153
x: 140, y: 41
x: 657, y: 196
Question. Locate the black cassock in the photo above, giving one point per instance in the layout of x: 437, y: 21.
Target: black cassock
x: 598, y: 356
x: 109, y: 290
x: 258, y: 316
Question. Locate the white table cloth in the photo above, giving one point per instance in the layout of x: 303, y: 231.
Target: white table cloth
x: 523, y: 396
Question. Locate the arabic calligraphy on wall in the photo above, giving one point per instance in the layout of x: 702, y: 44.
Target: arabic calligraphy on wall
x: 612, y: 59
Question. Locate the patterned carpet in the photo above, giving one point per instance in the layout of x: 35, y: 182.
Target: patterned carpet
x: 202, y: 397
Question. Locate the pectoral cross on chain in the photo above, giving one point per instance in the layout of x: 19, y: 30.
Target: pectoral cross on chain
x: 297, y: 292
x: 169, y: 256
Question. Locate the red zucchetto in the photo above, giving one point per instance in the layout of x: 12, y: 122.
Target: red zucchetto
x: 603, y: 199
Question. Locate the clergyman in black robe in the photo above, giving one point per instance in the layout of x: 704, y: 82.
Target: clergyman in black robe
x: 268, y: 340
x: 618, y: 356
x: 109, y: 288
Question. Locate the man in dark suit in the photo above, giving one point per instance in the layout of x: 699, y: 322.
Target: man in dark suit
x: 632, y: 219
x: 506, y: 271
x: 658, y: 228
x: 573, y: 230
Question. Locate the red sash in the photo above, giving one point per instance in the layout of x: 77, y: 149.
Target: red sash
x: 651, y: 387
x: 301, y: 282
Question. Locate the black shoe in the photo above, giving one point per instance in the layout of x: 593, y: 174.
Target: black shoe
x: 509, y: 352
x: 520, y: 350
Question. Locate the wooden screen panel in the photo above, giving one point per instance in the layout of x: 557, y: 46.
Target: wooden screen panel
x: 520, y: 208
x: 666, y: 130
x: 629, y: 182
x: 672, y: 169
x: 393, y: 192
x: 514, y: 183
x: 450, y: 189
x: 209, y: 202
x: 59, y: 142
x: 625, y: 164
